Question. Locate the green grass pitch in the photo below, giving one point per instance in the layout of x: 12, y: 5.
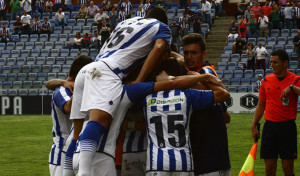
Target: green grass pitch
x: 25, y: 143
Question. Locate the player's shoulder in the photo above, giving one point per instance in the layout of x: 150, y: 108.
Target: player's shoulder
x: 61, y: 92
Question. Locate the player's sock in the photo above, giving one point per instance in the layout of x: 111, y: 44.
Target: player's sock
x: 88, y: 144
x: 68, y: 163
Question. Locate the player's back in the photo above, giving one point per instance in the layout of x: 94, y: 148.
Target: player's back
x: 130, y: 42
x: 167, y: 118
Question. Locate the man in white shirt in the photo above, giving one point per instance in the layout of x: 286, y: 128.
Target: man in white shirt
x: 26, y: 20
x: 2, y: 10
x: 60, y: 18
x: 27, y: 5
x: 263, y: 25
x: 99, y: 16
x: 95, y: 42
x: 297, y: 15
x: 205, y: 10
x: 288, y: 15
x: 260, y: 54
x: 258, y: 82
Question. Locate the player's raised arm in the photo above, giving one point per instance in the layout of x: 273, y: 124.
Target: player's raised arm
x: 54, y: 83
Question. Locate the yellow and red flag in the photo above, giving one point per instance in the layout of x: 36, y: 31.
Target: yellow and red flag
x: 248, y: 167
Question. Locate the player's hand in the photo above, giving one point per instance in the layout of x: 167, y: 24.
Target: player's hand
x: 69, y: 85
x: 163, y: 76
x: 285, y: 92
x: 255, y: 133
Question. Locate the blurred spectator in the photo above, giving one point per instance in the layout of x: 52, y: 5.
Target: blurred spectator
x: 297, y: 15
x: 247, y: 13
x: 86, y: 40
x: 49, y: 6
x: 106, y: 4
x: 2, y: 10
x: 283, y: 2
x: 60, y: 18
x: 288, y: 15
x: 239, y: 46
x: 39, y: 6
x: 77, y: 41
x: 175, y: 31
x: 95, y: 42
x: 17, y: 26
x: 32, y: 7
x: 140, y: 12
x: 183, y: 4
x: 256, y: 10
x: 275, y: 19
x: 174, y: 48
x: 113, y: 16
x: 128, y: 8
x: 36, y: 26
x: 251, y: 56
x: 104, y: 31
x: 281, y: 14
x: 160, y: 3
x: 219, y: 7
x: 267, y: 9
x: 26, y: 20
x: 122, y: 14
x: 272, y: 3
x: 263, y: 21
x: 98, y: 17
x: 4, y: 34
x: 15, y: 8
x: 232, y: 28
x: 57, y: 5
x: 242, y: 27
x: 252, y: 23
x: 68, y: 46
x: 206, y: 10
x: 82, y: 12
x: 196, y: 22
x: 184, y: 24
x: 92, y: 10
x: 233, y: 35
x: 147, y: 5
x: 297, y: 44
x: 260, y: 54
x: 46, y: 27
x: 82, y: 2
x: 242, y: 7
x: 27, y: 5
x: 258, y: 82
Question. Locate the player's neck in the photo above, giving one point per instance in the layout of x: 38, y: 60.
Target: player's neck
x: 70, y: 79
x: 282, y: 74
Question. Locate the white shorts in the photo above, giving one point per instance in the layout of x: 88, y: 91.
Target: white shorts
x: 57, y: 170
x: 102, y: 89
x: 134, y: 163
x: 218, y: 173
x: 102, y: 164
x: 165, y: 173
x: 77, y: 94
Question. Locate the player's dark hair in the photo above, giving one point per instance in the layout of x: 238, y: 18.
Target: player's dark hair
x: 172, y: 67
x: 158, y: 13
x: 194, y: 38
x: 282, y: 54
x: 174, y: 47
x: 77, y: 64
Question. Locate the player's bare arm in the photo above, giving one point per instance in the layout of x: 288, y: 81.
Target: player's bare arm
x: 78, y: 124
x: 152, y: 59
x: 288, y: 89
x: 259, y: 112
x: 68, y: 105
x: 54, y: 83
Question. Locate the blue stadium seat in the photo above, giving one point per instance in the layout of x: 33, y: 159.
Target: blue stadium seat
x: 245, y: 81
x: 34, y: 37
x: 33, y: 92
x: 30, y: 60
x: 19, y: 46
x: 54, y: 37
x: 54, y: 53
x: 194, y: 5
x: 293, y: 65
x: 39, y: 45
x: 235, y: 81
x: 285, y: 32
x: 27, y: 84
x: 6, y: 69
x: 244, y: 57
x: 74, y: 52
x: 180, y: 12
x: 219, y: 73
x: 10, y: 46
x: 65, y: 68
x: 2, y: 61
x: 43, y: 37
x: 46, y: 15
x: 275, y: 32
x: 261, y: 40
x: 57, y: 30
x: 42, y: 77
x: 222, y: 65
x: 225, y: 57
x: 64, y: 52
x: 232, y: 89
x: 238, y: 73
x: 6, y: 23
x: 174, y: 5
x: 76, y: 29
x: 49, y: 45
x: 15, y: 54
x: 62, y: 76
x: 84, y: 51
x: 21, y: 61
x: 12, y: 92
x: 73, y: 14
x: 230, y: 41
x: 235, y: 57
x: 26, y: 68
x: 2, y: 46
x: 232, y: 65
x: 63, y: 37
x: 71, y: 22
x: 228, y: 74
x: 22, y: 76
x: 69, y: 60
x: 205, y: 27
x: 60, y: 60
x: 259, y: 71
x: 93, y: 53
x: 289, y: 48
x: 269, y: 48
x: 281, y: 41
x: 25, y: 53
x: 43, y: 92
x: 278, y: 47
x: 50, y: 60
x: 29, y: 45
x: 228, y: 49
x: 4, y: 92
x: 86, y: 29
x: 46, y: 68
x: 68, y: 29
x: 23, y: 92
x: 17, y: 84
x: 10, y: 61
x: 40, y: 60
x: 24, y: 38
x: 272, y: 40
x: 291, y: 70
x: 35, y: 53
x: 31, y: 76
x: 6, y: 84
x: 15, y: 38
x: 294, y: 32
x: 242, y: 89
x: 56, y: 68
x: 15, y: 68
x: 52, y: 76
x: 252, y: 40
x: 5, y: 53
x: 81, y: 22
x: 11, y: 76
x: 36, y: 68
x: 3, y: 77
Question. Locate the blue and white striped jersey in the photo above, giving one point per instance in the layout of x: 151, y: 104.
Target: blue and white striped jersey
x: 127, y: 7
x: 134, y: 141
x: 140, y: 13
x: 130, y: 42
x: 167, y: 117
x: 131, y: 93
x: 61, y: 123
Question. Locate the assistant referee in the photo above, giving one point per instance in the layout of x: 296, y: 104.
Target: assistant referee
x: 278, y: 98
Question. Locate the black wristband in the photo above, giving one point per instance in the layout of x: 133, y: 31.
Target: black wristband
x: 291, y: 87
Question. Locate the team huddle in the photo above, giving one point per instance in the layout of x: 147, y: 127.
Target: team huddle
x: 137, y: 88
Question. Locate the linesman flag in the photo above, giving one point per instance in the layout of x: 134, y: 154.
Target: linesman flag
x: 248, y: 167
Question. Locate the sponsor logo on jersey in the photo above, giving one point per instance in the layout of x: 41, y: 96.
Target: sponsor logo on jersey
x: 159, y: 101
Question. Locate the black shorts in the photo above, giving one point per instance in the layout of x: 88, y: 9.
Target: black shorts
x: 279, y: 138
